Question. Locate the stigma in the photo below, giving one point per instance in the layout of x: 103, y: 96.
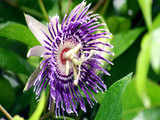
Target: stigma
x: 72, y: 55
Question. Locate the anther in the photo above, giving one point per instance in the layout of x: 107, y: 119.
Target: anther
x: 67, y: 67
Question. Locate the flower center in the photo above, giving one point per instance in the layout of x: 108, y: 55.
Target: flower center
x: 63, y: 59
x: 69, y: 59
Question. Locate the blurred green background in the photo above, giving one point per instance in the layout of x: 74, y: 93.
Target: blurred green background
x: 134, y: 87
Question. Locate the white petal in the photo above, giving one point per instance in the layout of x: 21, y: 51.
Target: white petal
x: 37, y: 51
x: 37, y: 29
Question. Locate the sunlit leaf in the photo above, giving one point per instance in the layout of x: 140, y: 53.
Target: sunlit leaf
x: 156, y: 22
x: 132, y: 104
x: 124, y: 40
x: 19, y: 32
x: 118, y: 24
x: 34, y: 61
x: 54, y: 9
x: 142, y: 69
x: 146, y: 6
x: 111, y: 107
x: 17, y: 117
x: 155, y: 48
x: 150, y: 114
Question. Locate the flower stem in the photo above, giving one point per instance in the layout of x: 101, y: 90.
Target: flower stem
x: 104, y: 9
x: 31, y: 11
x: 6, y: 113
x: 43, y: 10
x: 69, y: 5
x: 24, y: 9
x: 60, y: 8
x: 99, y: 3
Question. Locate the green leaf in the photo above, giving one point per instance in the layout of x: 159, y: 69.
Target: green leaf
x: 111, y: 107
x: 142, y: 69
x: 11, y: 13
x: 150, y: 114
x: 11, y: 61
x: 146, y: 6
x: 36, y: 115
x: 132, y: 104
x: 126, y: 103
x: 55, y: 9
x: 22, y: 101
x: 65, y: 4
x: 17, y: 117
x: 13, y: 45
x: 156, y: 22
x: 118, y: 24
x: 155, y: 48
x: 34, y: 61
x: 33, y: 4
x: 155, y: 56
x: 153, y: 91
x: 18, y: 32
x: 7, y: 93
x: 124, y: 40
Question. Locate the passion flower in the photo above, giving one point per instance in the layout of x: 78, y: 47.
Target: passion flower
x: 72, y: 55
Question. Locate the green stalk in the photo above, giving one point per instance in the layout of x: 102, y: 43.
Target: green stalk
x: 104, y: 9
x: 24, y: 9
x: 143, y: 60
x: 31, y: 11
x: 142, y: 70
x: 43, y: 10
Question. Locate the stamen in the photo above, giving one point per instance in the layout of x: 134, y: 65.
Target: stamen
x: 75, y: 82
x: 67, y: 67
x: 73, y: 51
x: 77, y: 62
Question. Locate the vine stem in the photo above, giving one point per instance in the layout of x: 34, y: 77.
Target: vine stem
x: 69, y: 5
x: 43, y: 10
x: 99, y: 3
x: 5, y: 112
x: 106, y: 5
x: 24, y: 9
